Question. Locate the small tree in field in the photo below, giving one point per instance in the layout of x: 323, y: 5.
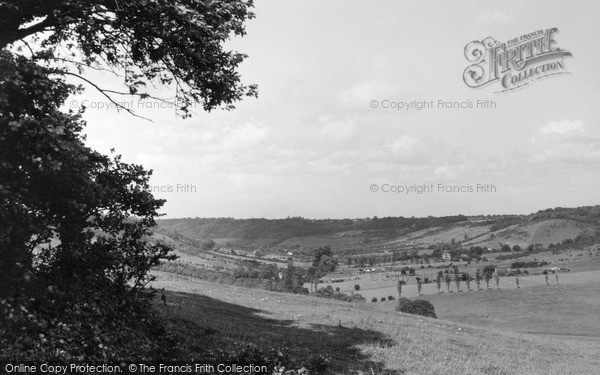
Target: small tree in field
x: 468, y: 281
x: 356, y: 287
x: 448, y: 281
x: 457, y: 282
x: 419, y: 285
x: 439, y: 282
x: 546, y: 276
x: 517, y: 280
x: 556, y: 276
x: 478, y: 280
x: 497, y: 279
x: 487, y: 278
x: 400, y: 283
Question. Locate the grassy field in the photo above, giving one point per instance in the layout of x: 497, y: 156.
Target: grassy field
x: 359, y: 338
x: 385, y: 284
x: 568, y: 310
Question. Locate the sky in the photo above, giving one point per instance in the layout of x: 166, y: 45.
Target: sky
x: 326, y: 139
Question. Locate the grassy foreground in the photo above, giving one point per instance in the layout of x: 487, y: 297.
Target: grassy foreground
x: 348, y: 338
x: 569, y: 311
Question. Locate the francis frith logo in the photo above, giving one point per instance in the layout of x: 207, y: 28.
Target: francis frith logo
x: 515, y: 63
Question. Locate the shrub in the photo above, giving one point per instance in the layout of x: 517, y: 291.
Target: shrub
x: 325, y: 292
x: 337, y: 289
x: 65, y: 329
x: 356, y: 287
x: 489, y: 269
x: 328, y: 292
x: 416, y: 307
x: 530, y: 264
x: 382, y: 299
x: 301, y: 290
x: 354, y: 297
x: 391, y: 298
x: 374, y: 299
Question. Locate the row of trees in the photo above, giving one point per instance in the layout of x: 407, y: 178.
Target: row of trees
x: 457, y: 278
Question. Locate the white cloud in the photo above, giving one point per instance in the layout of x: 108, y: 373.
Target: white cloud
x: 361, y: 94
x: 244, y: 136
x: 336, y: 131
x: 449, y: 172
x: 565, y: 142
x: 563, y: 127
x: 490, y: 17
x: 403, y: 145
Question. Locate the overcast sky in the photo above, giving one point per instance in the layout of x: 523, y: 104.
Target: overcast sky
x: 312, y: 145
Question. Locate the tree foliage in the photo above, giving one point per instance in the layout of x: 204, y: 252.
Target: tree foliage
x: 75, y: 224
x: 53, y: 186
x: 323, y: 263
x: 172, y: 42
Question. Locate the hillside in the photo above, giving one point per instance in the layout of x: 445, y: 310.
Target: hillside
x: 373, y: 235
x: 281, y: 229
x: 344, y: 338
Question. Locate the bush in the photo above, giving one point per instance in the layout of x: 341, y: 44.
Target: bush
x: 301, y: 290
x: 356, y: 287
x: 489, y: 269
x: 391, y: 298
x: 337, y: 289
x: 374, y: 299
x: 328, y: 292
x: 416, y: 307
x: 530, y: 264
x: 382, y: 299
x: 65, y: 329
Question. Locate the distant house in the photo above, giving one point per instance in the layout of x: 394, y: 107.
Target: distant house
x: 290, y: 253
x: 446, y: 256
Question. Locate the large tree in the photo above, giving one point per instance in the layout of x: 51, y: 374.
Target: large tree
x: 75, y: 224
x: 323, y: 263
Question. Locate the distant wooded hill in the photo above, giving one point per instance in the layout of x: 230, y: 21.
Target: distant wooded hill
x: 281, y: 229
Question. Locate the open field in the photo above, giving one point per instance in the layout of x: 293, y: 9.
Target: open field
x: 569, y: 310
x: 382, y: 284
x: 359, y: 337
x: 583, y: 269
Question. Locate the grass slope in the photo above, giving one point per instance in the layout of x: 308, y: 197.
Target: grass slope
x: 567, y: 310
x: 359, y: 338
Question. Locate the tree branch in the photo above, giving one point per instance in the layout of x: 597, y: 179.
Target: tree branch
x: 19, y: 34
x: 104, y: 92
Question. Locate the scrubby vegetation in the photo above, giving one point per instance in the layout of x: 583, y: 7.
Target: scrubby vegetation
x: 416, y: 307
x: 529, y: 264
x: 328, y: 292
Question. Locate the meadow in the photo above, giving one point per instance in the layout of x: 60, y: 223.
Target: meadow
x: 345, y: 338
